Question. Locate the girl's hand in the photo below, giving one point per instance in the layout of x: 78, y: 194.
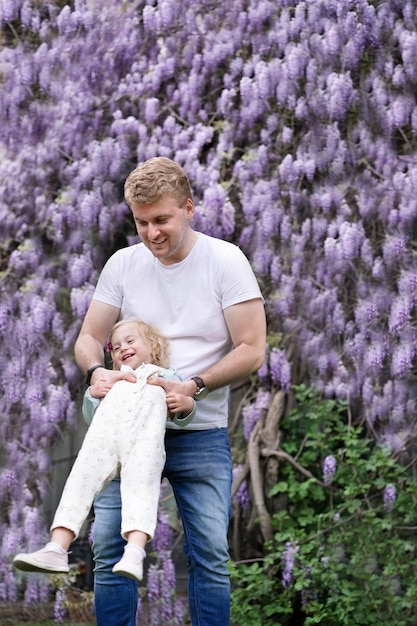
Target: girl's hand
x: 178, y: 403
x: 101, y: 387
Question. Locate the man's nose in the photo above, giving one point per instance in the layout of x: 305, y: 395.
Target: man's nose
x: 153, y: 231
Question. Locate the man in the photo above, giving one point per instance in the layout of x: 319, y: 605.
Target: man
x: 202, y: 294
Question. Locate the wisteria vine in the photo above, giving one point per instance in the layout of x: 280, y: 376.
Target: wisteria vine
x: 296, y: 121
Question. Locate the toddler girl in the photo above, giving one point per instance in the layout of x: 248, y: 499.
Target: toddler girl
x: 126, y: 435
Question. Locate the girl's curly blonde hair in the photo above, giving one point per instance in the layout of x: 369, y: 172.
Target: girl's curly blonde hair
x: 157, y: 342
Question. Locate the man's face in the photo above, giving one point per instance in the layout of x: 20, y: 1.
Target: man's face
x: 164, y: 228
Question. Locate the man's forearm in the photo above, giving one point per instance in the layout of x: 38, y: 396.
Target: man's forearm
x: 238, y: 364
x: 98, y: 321
x: 88, y: 352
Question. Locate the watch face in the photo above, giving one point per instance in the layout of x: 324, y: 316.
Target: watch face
x: 201, y: 393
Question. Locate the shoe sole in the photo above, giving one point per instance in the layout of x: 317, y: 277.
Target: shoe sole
x: 26, y: 566
x: 126, y: 574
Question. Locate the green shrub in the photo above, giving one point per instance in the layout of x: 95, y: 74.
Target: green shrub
x: 344, y: 548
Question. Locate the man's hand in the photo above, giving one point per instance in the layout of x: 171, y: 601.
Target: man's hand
x: 185, y: 387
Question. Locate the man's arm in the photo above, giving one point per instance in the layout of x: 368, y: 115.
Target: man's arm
x: 247, y: 327
x: 89, y: 347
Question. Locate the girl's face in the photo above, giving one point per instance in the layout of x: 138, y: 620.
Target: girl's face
x: 129, y: 347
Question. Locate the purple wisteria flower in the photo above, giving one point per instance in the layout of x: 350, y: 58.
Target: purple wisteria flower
x: 288, y: 560
x: 164, y: 606
x: 90, y: 534
x: 283, y: 116
x: 32, y: 592
x: 389, y: 497
x: 329, y: 469
x: 242, y: 494
x: 280, y: 368
x: 252, y: 412
x: 59, y: 609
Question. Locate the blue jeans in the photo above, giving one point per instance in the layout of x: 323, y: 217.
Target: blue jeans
x: 116, y: 597
x: 199, y: 468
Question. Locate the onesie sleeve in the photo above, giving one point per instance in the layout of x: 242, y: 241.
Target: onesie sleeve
x: 183, y: 420
x: 179, y: 418
x: 89, y: 407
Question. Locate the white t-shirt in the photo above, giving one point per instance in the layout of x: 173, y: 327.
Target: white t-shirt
x: 185, y: 301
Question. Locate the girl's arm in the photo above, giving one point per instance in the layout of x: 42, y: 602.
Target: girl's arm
x: 92, y: 397
x: 90, y: 405
x: 183, y: 407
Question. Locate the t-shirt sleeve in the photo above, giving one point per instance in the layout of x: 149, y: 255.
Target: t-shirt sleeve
x: 109, y: 288
x: 239, y: 280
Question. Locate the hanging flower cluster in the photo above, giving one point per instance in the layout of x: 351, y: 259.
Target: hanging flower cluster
x: 296, y: 122
x: 288, y: 559
x: 165, y: 607
x: 329, y: 469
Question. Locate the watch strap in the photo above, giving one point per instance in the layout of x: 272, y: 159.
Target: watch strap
x: 198, y: 381
x: 90, y: 373
x: 202, y: 390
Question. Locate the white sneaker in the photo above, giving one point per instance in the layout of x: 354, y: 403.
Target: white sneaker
x: 130, y: 565
x: 45, y: 560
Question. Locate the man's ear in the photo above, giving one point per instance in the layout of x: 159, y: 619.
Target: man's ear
x: 189, y: 208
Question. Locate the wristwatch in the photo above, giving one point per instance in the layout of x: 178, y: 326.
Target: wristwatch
x: 202, y: 390
x: 90, y: 373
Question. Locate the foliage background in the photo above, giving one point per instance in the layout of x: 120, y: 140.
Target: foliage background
x: 296, y: 122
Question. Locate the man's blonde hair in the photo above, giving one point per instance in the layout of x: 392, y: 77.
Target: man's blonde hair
x: 155, y: 178
x: 157, y: 342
